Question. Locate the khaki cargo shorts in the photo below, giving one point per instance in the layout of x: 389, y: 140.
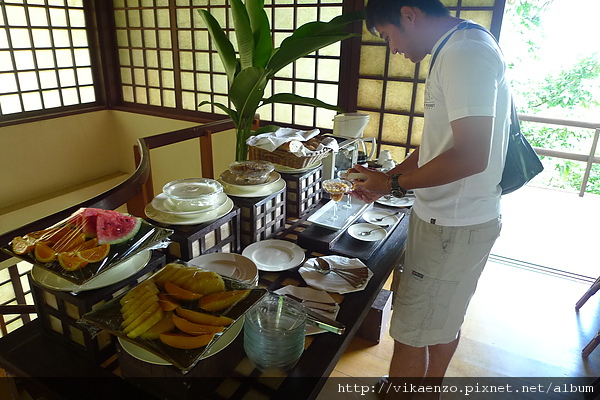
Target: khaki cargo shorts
x: 440, y: 274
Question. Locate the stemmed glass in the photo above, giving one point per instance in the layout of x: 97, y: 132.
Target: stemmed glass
x: 336, y: 188
x: 343, y: 175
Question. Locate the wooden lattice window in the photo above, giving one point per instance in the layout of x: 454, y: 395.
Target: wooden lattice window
x: 167, y: 59
x: 45, y: 61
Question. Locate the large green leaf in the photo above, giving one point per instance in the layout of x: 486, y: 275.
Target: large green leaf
x: 222, y: 43
x: 243, y: 33
x: 291, y: 50
x: 336, y: 25
x: 290, y: 98
x: 231, y: 113
x: 247, y: 90
x: 262, y: 32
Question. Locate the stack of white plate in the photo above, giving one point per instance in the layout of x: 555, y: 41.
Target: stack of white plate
x: 190, y: 201
x: 273, y: 185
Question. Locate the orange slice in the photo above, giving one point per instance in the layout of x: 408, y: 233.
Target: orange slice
x: 182, y: 341
x: 223, y: 300
x: 203, y: 318
x: 195, y: 329
x: 44, y: 253
x: 23, y: 245
x: 95, y: 254
x: 88, y: 244
x: 71, y: 262
x: 71, y: 241
x: 178, y: 293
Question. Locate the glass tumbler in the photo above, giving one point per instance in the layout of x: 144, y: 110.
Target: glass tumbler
x: 274, y: 331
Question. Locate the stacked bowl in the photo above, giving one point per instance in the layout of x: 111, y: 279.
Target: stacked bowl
x: 190, y: 201
x: 251, y: 179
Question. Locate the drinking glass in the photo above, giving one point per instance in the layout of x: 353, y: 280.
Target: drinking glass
x: 274, y: 332
x: 336, y: 188
x: 348, y: 204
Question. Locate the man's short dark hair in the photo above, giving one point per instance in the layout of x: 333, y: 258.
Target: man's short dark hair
x: 380, y: 12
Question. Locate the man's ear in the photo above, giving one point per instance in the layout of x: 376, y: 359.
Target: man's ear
x: 408, y: 15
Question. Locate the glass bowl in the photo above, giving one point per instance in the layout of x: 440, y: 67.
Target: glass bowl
x: 251, y: 172
x: 194, y: 194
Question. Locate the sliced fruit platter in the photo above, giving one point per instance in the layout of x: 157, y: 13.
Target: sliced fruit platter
x: 87, y: 243
x: 178, y: 313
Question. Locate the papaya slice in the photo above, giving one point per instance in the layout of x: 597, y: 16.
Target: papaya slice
x: 195, y: 329
x: 185, y: 342
x: 203, y: 318
x: 223, y: 300
x: 179, y: 293
x: 166, y: 302
x: 163, y: 326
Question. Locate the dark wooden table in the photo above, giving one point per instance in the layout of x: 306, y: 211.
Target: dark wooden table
x: 50, y: 365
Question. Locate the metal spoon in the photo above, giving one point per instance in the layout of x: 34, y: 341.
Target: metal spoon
x: 379, y: 219
x: 367, y: 233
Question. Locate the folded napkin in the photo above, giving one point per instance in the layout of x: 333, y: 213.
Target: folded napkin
x: 314, y: 300
x: 332, y: 282
x: 270, y: 141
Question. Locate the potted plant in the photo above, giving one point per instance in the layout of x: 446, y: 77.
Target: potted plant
x: 258, y: 61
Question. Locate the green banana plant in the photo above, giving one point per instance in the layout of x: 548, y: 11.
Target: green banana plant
x: 258, y: 62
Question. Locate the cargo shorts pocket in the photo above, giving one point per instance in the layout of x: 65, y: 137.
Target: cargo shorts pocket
x: 423, y: 302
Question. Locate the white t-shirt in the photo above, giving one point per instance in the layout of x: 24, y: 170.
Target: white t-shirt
x: 467, y: 79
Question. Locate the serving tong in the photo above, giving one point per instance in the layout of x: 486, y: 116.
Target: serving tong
x: 354, y: 276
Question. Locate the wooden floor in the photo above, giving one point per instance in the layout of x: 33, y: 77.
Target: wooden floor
x: 521, y: 323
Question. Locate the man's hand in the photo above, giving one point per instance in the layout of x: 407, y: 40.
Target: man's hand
x: 372, y: 188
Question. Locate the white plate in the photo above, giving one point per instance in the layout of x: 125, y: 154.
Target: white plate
x: 274, y: 255
x: 289, y: 170
x: 161, y: 203
x: 378, y: 234
x: 144, y: 355
x: 397, y: 202
x: 389, y: 218
x: 195, y: 219
x: 111, y: 276
x: 228, y: 178
x: 253, y: 192
x: 232, y: 265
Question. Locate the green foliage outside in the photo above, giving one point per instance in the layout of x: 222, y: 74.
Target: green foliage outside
x: 569, y: 92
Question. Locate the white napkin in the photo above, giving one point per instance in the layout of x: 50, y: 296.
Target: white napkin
x: 332, y: 282
x: 270, y: 141
x: 318, y: 297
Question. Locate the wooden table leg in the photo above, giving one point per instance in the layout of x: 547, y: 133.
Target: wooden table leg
x: 590, y: 292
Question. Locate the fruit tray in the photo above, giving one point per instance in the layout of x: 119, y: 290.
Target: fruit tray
x: 181, y: 314
x: 88, y: 243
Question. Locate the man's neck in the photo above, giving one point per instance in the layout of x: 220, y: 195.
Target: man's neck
x: 438, y: 27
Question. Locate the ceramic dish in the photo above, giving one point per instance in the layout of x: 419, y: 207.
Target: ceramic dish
x: 332, y: 282
x: 317, y: 300
x: 232, y: 265
x: 255, y: 192
x: 274, y: 255
x: 397, y: 202
x: 113, y: 275
x: 163, y: 203
x: 346, y: 216
x: 228, y: 178
x: 144, y: 355
x: 195, y: 219
x: 250, y: 172
x: 377, y: 232
x: 380, y: 217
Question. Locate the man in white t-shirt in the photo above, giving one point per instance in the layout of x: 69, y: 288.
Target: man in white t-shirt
x: 455, y: 175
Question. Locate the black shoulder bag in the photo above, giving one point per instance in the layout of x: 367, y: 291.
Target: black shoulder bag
x: 522, y: 163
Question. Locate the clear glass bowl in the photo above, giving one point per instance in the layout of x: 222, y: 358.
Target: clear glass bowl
x: 194, y: 193
x: 251, y: 172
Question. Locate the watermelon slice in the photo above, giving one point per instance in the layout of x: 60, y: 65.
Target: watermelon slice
x: 113, y: 227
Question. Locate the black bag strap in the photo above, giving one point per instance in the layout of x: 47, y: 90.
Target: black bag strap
x: 459, y: 27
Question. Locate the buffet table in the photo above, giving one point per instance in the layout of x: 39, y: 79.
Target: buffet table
x: 47, y: 364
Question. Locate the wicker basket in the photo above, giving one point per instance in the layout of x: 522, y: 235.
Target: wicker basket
x: 286, y: 158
